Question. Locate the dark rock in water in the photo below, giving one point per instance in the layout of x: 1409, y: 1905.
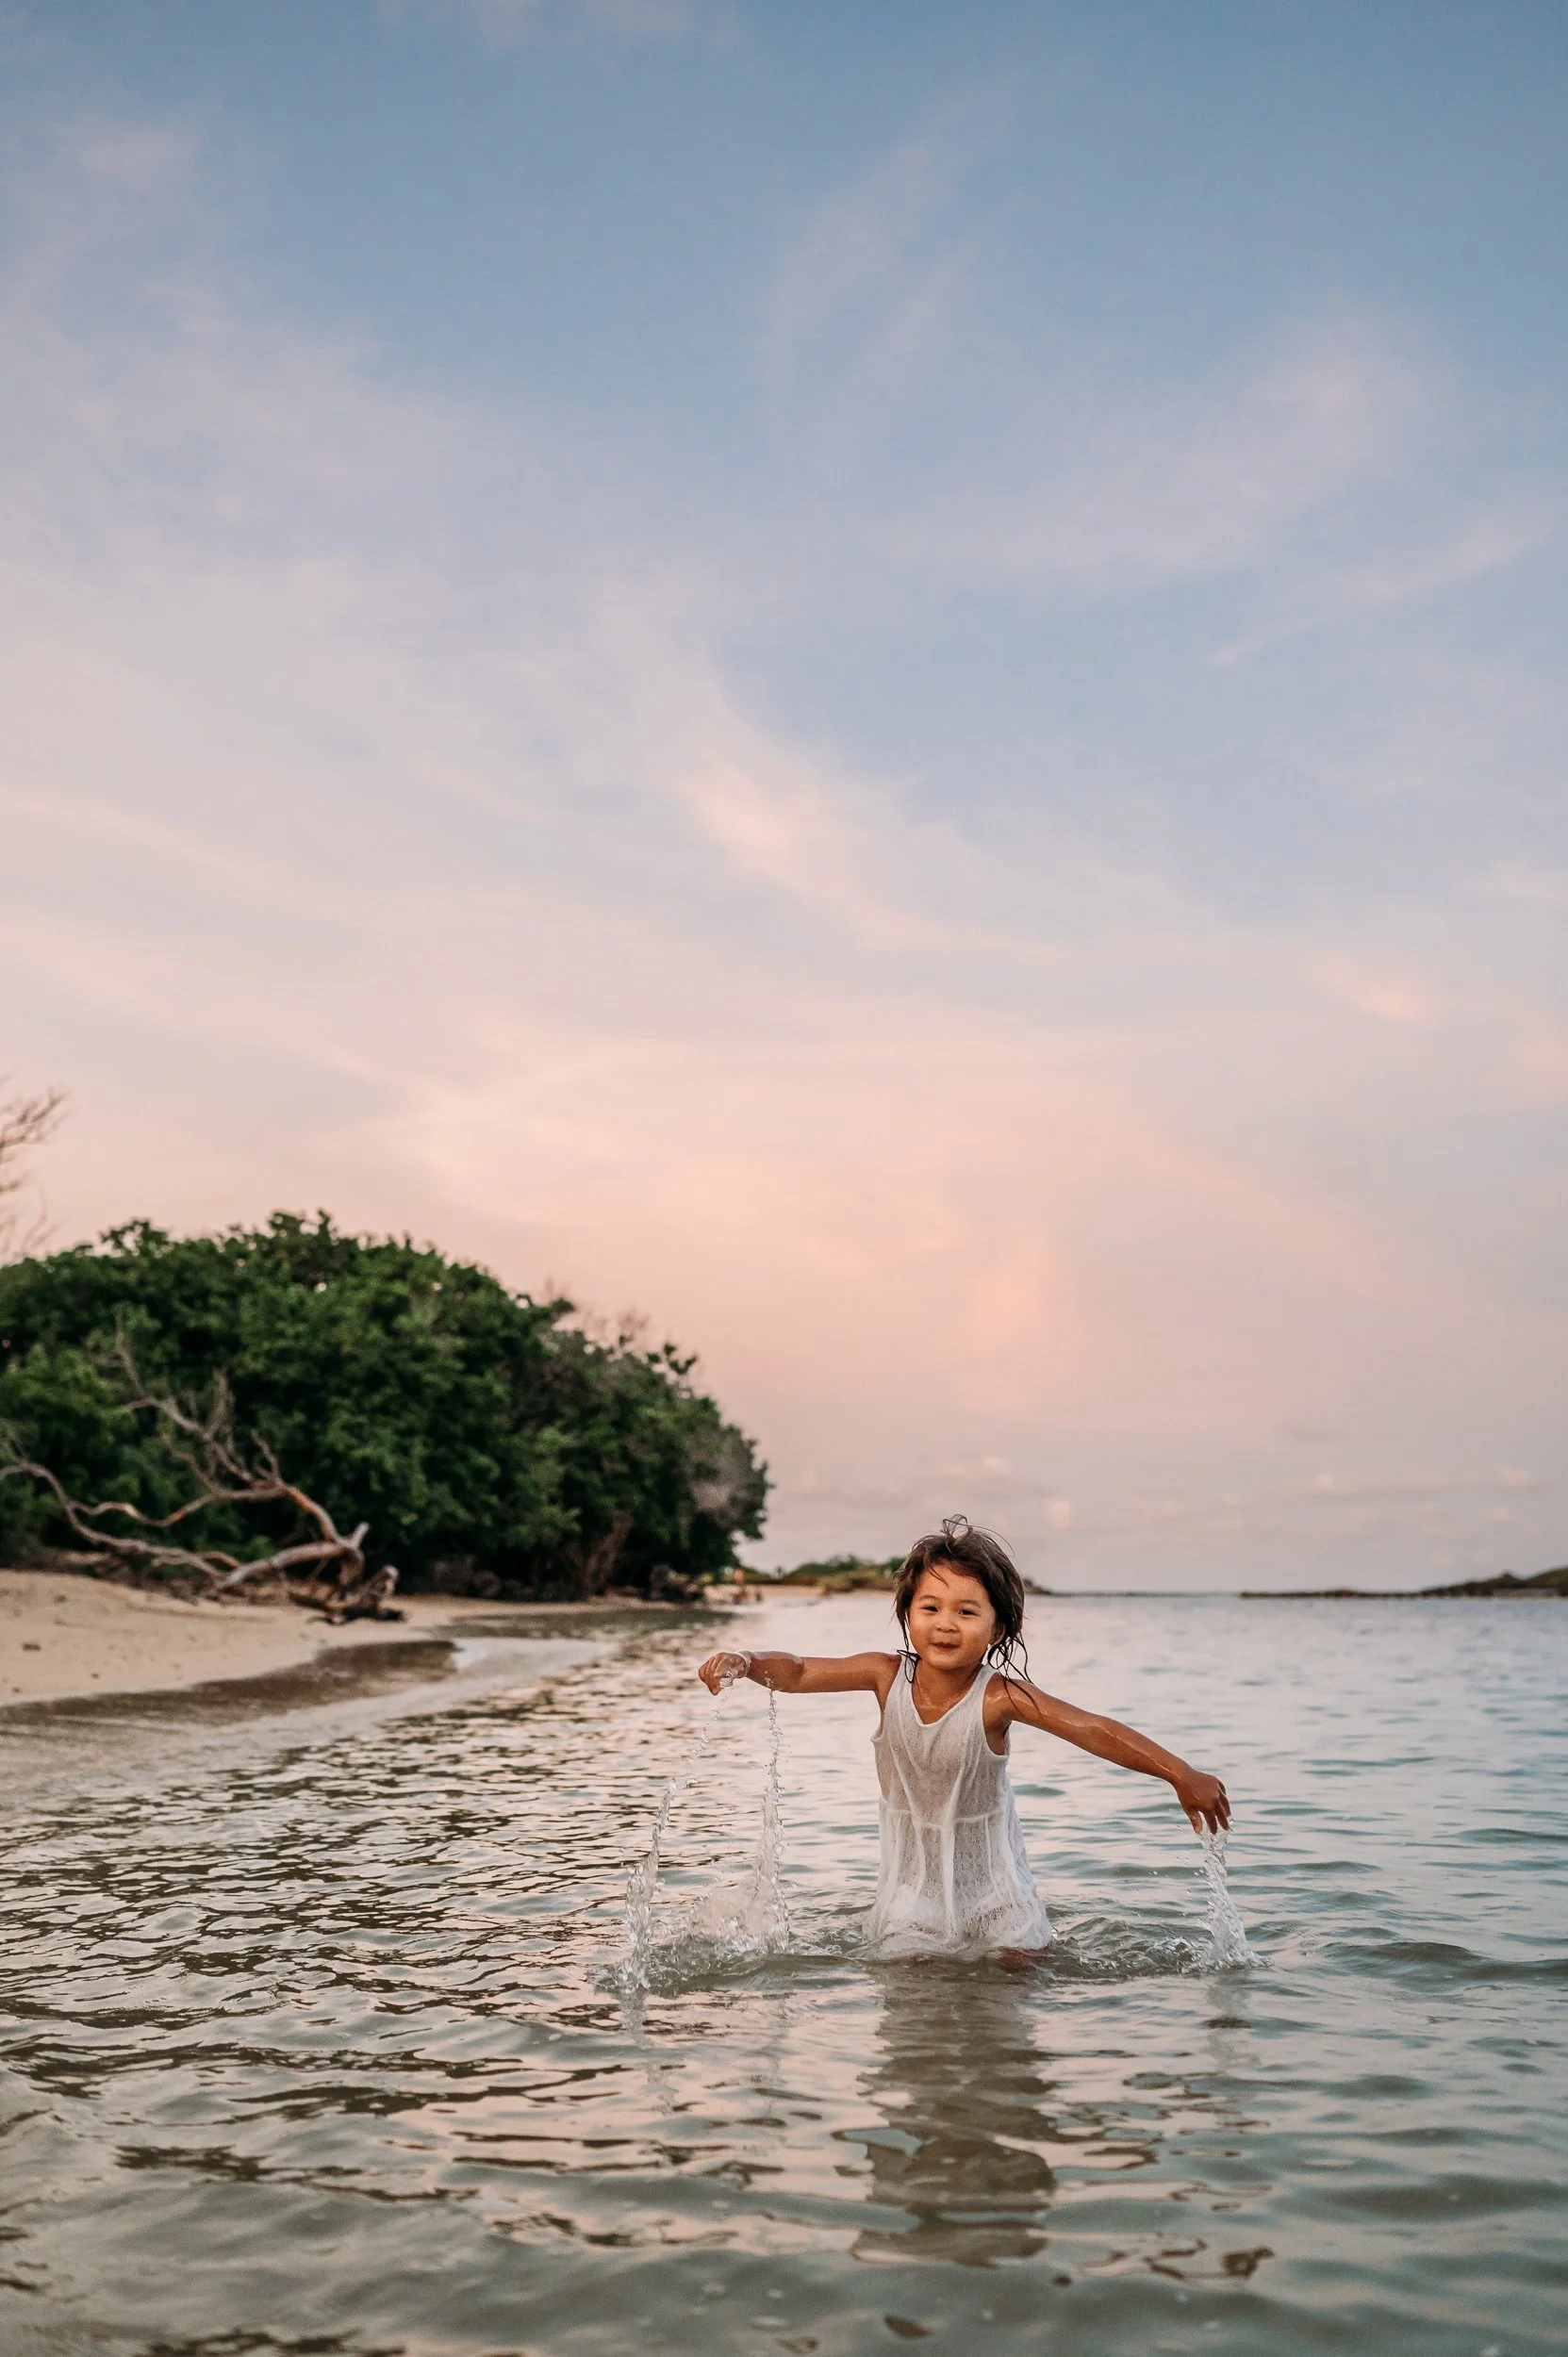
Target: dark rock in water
x: 668, y: 1586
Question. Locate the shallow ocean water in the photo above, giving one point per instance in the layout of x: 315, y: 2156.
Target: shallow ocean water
x: 317, y: 2039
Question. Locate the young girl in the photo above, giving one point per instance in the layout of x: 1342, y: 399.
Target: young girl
x: 954, y: 1875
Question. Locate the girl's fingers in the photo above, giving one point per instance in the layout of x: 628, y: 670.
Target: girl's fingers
x: 1208, y: 1816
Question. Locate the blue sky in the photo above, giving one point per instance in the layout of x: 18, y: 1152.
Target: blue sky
x: 886, y: 679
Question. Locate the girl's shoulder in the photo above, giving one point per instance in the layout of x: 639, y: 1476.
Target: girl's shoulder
x: 884, y: 1668
x: 996, y: 1711
x: 1004, y: 1691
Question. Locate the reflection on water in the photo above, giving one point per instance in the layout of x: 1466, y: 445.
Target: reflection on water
x: 315, y: 2041
x: 959, y: 2084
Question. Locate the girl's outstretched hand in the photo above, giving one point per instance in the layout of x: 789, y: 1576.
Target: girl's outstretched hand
x: 1205, y: 1801
x: 722, y: 1669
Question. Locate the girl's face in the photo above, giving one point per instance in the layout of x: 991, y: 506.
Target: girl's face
x: 951, y: 1620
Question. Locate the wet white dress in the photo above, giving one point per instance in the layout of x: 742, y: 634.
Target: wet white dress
x: 954, y: 1875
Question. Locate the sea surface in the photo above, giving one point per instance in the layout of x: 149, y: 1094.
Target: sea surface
x: 320, y: 2035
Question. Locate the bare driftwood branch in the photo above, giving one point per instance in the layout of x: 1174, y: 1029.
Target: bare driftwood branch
x: 117, y: 1535
x: 25, y: 1122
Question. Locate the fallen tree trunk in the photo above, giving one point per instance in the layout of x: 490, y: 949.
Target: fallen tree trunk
x: 327, y: 1571
x: 596, y: 1565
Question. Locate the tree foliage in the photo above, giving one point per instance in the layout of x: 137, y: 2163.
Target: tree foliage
x: 474, y: 1429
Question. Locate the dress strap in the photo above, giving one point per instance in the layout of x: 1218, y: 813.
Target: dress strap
x: 981, y: 1687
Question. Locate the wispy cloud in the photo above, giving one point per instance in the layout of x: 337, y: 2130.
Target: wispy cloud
x: 502, y: 24
x: 386, y: 826
x: 889, y: 316
x: 1124, y: 494
x: 1486, y: 544
x: 874, y: 266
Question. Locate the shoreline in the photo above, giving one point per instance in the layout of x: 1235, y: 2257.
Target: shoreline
x: 65, y: 1638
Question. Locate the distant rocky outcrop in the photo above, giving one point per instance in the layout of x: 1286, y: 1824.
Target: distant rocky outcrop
x: 1508, y: 1584
x: 1553, y: 1583
x: 840, y: 1575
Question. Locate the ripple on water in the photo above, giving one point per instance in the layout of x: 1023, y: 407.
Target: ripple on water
x: 317, y: 2043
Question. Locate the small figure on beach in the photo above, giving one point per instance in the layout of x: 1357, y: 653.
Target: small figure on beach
x: 954, y: 1875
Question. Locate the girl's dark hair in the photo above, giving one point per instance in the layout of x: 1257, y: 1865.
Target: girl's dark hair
x: 983, y: 1556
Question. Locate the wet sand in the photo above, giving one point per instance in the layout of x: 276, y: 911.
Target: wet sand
x: 63, y: 1637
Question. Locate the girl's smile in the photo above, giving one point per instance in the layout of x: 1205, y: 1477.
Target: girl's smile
x: 952, y: 1621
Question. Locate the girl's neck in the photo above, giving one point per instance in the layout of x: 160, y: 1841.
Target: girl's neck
x: 938, y: 1689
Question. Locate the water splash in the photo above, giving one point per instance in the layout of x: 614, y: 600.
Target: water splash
x: 642, y: 1877
x: 1117, y: 1948
x: 714, y: 1932
x: 1226, y: 1928
x: 763, y: 1923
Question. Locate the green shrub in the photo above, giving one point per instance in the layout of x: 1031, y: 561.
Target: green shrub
x: 469, y: 1425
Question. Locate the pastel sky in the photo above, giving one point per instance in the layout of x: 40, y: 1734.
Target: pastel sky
x: 884, y: 679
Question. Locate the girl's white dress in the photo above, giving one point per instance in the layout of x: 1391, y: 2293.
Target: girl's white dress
x: 954, y: 1873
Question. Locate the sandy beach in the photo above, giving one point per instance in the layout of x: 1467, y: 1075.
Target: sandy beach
x: 62, y: 1636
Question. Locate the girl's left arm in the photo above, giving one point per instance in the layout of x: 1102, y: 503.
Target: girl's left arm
x: 1203, y: 1797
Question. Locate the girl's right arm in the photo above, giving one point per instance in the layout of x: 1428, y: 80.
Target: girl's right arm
x: 788, y: 1674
